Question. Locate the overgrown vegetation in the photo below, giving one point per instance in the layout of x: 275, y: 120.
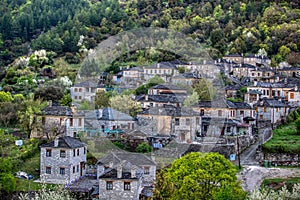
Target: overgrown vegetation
x: 286, y: 139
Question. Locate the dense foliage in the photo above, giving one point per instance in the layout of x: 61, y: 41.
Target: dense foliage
x: 227, y: 26
x: 199, y: 176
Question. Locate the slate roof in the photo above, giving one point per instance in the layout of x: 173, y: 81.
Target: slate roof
x: 111, y: 114
x: 245, y: 65
x: 166, y: 87
x: 66, y: 142
x: 86, y: 84
x: 289, y: 69
x: 273, y: 85
x: 163, y: 98
x: 274, y: 103
x: 133, y: 158
x: 134, y: 69
x: 271, y: 103
x: 162, y: 65
x: 233, y: 87
x: 170, y: 111
x: 113, y: 174
x: 297, y: 89
x: 57, y: 111
x: 255, y: 92
x: 238, y: 105
x: 219, y: 103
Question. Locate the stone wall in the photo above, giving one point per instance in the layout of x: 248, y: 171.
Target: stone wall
x: 118, y: 192
x: 281, y: 159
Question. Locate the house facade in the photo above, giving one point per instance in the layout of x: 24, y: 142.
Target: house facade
x: 63, y: 160
x: 58, y: 121
x: 271, y: 111
x: 85, y: 91
x: 124, y: 175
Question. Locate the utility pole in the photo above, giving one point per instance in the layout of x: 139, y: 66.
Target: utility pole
x: 238, y: 151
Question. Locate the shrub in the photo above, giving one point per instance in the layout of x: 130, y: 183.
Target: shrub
x: 143, y: 148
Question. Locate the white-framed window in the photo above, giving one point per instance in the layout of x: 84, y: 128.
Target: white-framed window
x: 127, y: 185
x: 62, y: 153
x: 62, y: 171
x: 48, y: 170
x: 48, y: 152
x: 109, y: 185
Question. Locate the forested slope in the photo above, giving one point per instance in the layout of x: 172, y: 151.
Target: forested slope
x: 226, y: 26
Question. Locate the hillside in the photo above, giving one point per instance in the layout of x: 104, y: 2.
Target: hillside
x: 226, y: 26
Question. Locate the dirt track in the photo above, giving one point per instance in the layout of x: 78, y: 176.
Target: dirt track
x: 253, y: 176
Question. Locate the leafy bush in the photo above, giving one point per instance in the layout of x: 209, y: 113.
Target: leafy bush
x: 143, y: 148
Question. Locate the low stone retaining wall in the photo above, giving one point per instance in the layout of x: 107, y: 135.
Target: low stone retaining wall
x: 281, y: 159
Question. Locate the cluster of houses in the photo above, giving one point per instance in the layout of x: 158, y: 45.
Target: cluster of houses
x: 268, y: 96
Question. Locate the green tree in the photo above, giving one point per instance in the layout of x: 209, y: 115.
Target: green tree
x: 66, y: 100
x: 48, y: 93
x: 297, y: 124
x: 30, y: 108
x: 155, y: 81
x: 5, y: 97
x: 5, y: 165
x: 199, y: 176
x: 126, y: 104
x: 205, y: 90
x: 8, y: 182
x: 143, y: 148
x: 191, y: 100
x: 102, y: 99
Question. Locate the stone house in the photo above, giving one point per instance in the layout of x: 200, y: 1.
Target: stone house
x: 222, y: 117
x: 111, y: 119
x: 206, y: 69
x: 290, y: 71
x: 133, y: 76
x: 261, y: 74
x: 58, y: 121
x: 271, y: 111
x: 180, y: 122
x: 124, y: 175
x: 294, y: 97
x: 85, y: 91
x: 160, y: 100
x: 187, y: 78
x: 242, y: 70
x: 63, y: 160
x: 237, y: 58
x: 255, y: 60
x: 232, y: 90
x: 268, y: 90
x: 164, y: 70
x: 167, y: 89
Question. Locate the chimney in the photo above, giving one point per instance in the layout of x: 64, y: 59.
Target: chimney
x: 56, y: 141
x: 119, y: 171
x: 255, y: 83
x: 100, y: 170
x: 146, y: 97
x: 50, y: 103
x: 296, y: 87
x: 111, y: 164
x: 158, y: 65
x: 153, y: 157
x: 73, y: 108
x: 133, y: 172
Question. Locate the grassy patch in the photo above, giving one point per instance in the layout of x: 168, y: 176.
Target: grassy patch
x: 30, y: 185
x: 285, y: 139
